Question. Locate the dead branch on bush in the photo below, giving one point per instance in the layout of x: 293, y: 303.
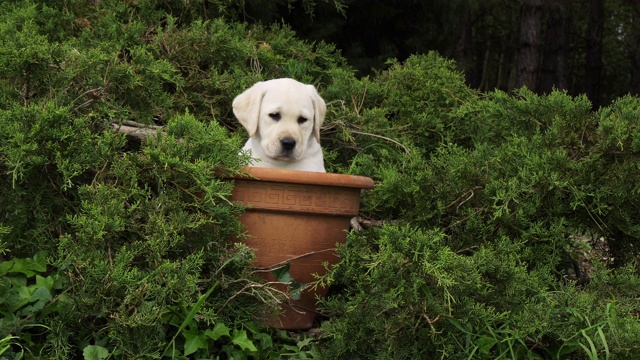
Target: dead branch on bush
x: 358, y: 107
x: 275, y: 294
x: 94, y: 94
x: 25, y: 89
x: 358, y: 223
x: 463, y: 195
x: 355, y: 224
x: 406, y: 150
x: 462, y: 220
x: 433, y: 321
x: 285, y: 262
x: 136, y: 129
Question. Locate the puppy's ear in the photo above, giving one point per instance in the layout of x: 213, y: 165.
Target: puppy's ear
x: 246, y: 107
x: 319, y: 109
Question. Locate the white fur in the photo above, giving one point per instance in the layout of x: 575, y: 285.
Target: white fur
x: 272, y: 112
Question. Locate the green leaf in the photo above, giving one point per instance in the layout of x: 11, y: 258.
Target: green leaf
x: 5, y: 344
x: 240, y: 338
x: 591, y: 351
x: 192, y: 313
x: 20, y: 298
x: 458, y: 326
x: 303, y: 343
x: 264, y: 341
x: 604, y: 342
x: 26, y: 266
x: 218, y: 331
x: 565, y: 349
x: 194, y: 341
x: 41, y: 294
x: 296, y: 290
x: 44, y: 282
x: 61, y: 301
x: 485, y: 343
x: 282, y: 274
x: 235, y: 353
x: 95, y: 352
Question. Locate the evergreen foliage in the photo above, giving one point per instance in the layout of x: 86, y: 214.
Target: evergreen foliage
x: 494, y: 249
x: 511, y: 221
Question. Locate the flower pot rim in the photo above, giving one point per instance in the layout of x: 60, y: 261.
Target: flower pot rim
x: 304, y: 177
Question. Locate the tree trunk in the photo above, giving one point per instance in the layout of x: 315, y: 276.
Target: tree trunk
x: 634, y: 53
x: 554, y: 68
x: 593, y: 73
x: 484, y: 81
x: 464, y: 48
x: 529, y: 48
x: 635, y: 67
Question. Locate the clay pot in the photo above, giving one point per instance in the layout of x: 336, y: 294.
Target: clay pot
x: 297, y: 217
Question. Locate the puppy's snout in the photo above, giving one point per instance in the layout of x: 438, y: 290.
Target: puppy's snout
x: 288, y: 143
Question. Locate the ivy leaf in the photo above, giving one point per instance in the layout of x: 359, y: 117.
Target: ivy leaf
x: 41, y: 294
x: 95, y: 352
x: 20, y: 298
x: 265, y: 342
x: 234, y: 353
x: 240, y: 338
x: 218, y: 331
x: 194, y: 341
x: 26, y: 266
x: 296, y: 290
x: 304, y: 343
x: 44, y: 282
x: 282, y: 274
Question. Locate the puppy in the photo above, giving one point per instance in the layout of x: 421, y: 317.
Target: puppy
x: 283, y: 119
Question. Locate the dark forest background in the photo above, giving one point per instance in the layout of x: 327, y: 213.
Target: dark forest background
x: 586, y: 46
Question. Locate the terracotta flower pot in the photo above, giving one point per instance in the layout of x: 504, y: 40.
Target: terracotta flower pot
x: 297, y: 217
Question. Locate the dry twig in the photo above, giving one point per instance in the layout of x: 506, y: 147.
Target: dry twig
x: 136, y: 129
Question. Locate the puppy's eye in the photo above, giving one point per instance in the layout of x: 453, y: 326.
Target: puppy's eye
x: 275, y: 116
x: 302, y: 120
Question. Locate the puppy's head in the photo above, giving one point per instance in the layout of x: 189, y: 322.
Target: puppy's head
x: 283, y: 114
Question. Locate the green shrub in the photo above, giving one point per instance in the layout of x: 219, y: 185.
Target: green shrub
x: 499, y: 222
x: 407, y: 294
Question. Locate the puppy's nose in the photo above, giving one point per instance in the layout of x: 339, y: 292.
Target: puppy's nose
x: 288, y: 143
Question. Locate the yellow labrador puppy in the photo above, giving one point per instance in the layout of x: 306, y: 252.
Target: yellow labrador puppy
x: 283, y: 119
